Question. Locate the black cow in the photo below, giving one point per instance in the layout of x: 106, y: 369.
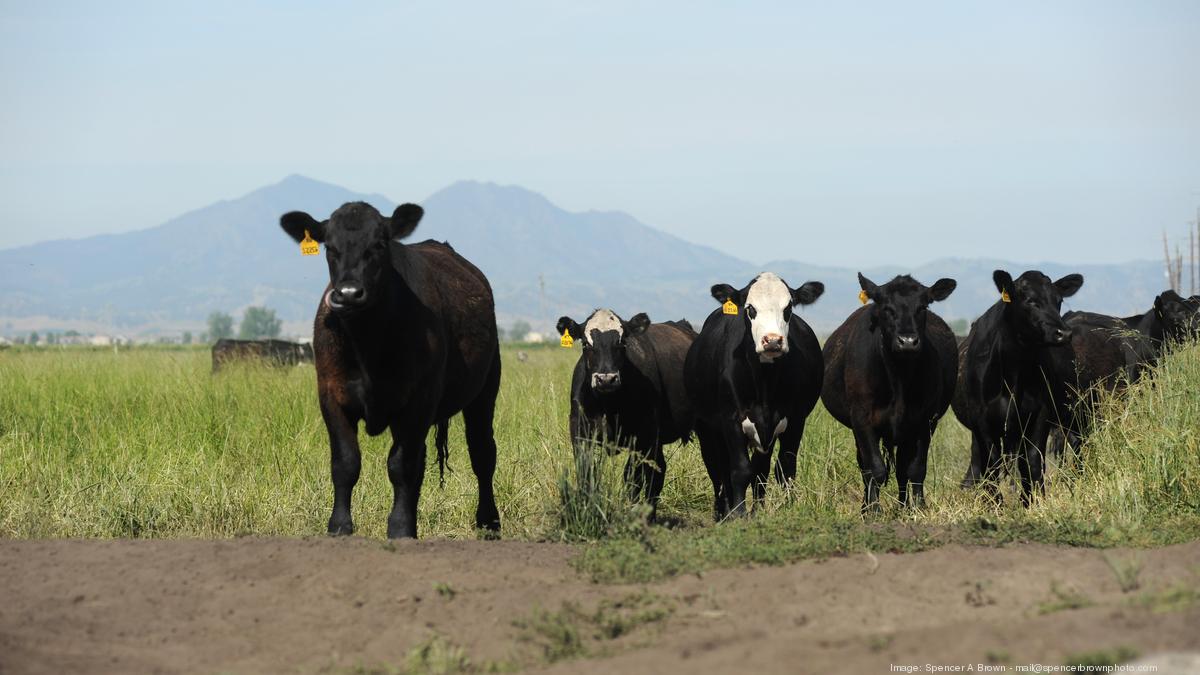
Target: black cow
x: 1173, y: 318
x: 627, y: 389
x: 273, y: 352
x: 405, y: 337
x: 753, y: 376
x: 1010, y: 391
x: 890, y: 370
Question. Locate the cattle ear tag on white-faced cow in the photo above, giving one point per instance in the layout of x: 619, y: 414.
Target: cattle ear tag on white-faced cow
x: 309, y: 246
x: 862, y: 297
x: 566, y: 340
x: 1004, y: 297
x: 729, y: 308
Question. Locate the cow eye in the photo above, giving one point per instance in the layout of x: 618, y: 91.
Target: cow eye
x: 787, y: 313
x: 751, y: 312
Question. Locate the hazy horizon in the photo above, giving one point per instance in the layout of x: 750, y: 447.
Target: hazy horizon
x: 850, y: 136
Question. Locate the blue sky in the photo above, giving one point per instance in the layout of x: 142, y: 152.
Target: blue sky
x: 855, y: 134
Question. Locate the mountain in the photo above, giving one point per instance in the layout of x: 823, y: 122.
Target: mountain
x: 543, y: 261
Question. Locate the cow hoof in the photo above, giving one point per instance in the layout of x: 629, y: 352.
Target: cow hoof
x: 343, y: 528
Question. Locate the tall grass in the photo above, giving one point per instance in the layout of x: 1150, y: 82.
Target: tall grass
x: 150, y: 444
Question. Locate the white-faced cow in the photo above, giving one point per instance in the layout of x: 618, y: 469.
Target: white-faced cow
x: 404, y: 338
x: 1010, y: 391
x: 627, y: 390
x: 753, y: 376
x: 890, y: 370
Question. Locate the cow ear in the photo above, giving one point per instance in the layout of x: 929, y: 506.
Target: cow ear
x: 296, y: 222
x: 723, y: 292
x: 567, y: 325
x: 1069, y: 284
x: 404, y: 220
x: 869, y: 287
x: 808, y: 293
x: 637, y: 324
x: 1004, y: 282
x: 942, y: 289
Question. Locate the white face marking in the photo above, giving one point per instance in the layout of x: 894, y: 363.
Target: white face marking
x: 751, y: 435
x: 769, y: 296
x: 602, y: 320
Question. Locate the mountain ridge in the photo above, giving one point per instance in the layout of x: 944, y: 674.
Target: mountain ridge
x: 543, y: 261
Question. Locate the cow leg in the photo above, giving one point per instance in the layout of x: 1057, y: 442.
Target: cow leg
x: 870, y: 463
x: 975, y: 467
x: 760, y: 469
x: 406, y: 470
x: 912, y: 464
x: 345, y: 464
x: 739, y: 475
x: 481, y: 445
x: 1030, y: 458
x: 712, y: 450
x: 789, y: 448
x: 656, y: 472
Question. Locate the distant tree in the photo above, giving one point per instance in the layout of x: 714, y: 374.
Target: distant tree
x: 20, y: 339
x: 187, y: 337
x: 519, y: 330
x: 51, y: 338
x: 960, y: 326
x: 203, y: 338
x: 33, y: 338
x: 71, y: 333
x: 258, y: 323
x: 220, y: 326
x: 500, y: 334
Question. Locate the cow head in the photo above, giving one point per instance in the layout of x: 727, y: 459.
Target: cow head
x: 1180, y: 317
x: 604, y: 336
x: 898, y: 309
x: 357, y: 240
x: 1035, y: 304
x: 766, y: 304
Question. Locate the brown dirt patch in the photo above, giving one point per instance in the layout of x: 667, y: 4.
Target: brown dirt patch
x: 322, y: 605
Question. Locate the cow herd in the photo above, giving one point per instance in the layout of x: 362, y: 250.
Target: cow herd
x: 405, y: 337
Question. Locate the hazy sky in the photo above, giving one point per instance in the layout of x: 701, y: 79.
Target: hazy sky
x: 892, y: 132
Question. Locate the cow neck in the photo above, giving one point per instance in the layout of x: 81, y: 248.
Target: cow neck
x: 765, y: 376
x: 1020, y: 359
x: 373, y: 332
x: 899, y: 371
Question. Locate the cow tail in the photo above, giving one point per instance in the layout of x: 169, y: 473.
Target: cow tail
x: 440, y: 440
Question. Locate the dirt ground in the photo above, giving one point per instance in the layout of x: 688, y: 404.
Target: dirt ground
x: 354, y: 605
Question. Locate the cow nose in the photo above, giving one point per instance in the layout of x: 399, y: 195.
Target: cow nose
x: 1061, y: 335
x: 772, y: 342
x: 349, y: 294
x: 606, y: 381
x: 908, y: 343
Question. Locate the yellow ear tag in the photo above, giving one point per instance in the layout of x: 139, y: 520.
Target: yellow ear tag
x: 566, y: 340
x: 309, y: 246
x: 729, y: 308
x: 862, y: 297
x: 1004, y: 296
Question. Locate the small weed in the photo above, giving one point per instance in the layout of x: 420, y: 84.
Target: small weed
x: 437, y: 656
x: 1174, y: 599
x: 997, y: 656
x: 1064, y: 599
x: 878, y: 643
x: 445, y: 590
x: 569, y: 632
x: 1127, y: 572
x: 979, y: 597
x: 1102, y: 657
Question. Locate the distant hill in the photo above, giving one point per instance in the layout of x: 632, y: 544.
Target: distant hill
x: 542, y: 261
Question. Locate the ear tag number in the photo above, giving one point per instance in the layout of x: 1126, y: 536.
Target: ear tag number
x: 862, y: 297
x: 309, y: 246
x: 729, y: 308
x: 1004, y: 297
x: 566, y: 340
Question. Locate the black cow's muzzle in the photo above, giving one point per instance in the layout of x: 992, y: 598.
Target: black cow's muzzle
x: 907, y: 343
x: 606, y: 382
x: 346, y: 297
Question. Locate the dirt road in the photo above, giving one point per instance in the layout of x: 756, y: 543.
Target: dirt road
x: 321, y: 605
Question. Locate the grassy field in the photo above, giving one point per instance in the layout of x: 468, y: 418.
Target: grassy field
x: 146, y: 443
